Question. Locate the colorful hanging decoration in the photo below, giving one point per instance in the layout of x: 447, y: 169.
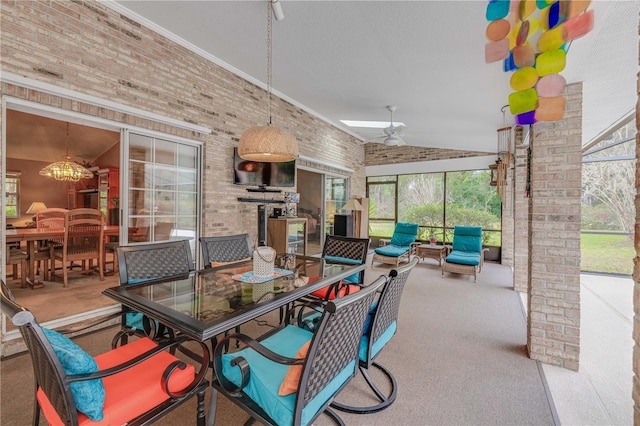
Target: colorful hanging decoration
x: 532, y: 38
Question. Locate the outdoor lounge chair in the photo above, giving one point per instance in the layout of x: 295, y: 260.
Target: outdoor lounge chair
x: 467, y: 255
x: 400, y: 247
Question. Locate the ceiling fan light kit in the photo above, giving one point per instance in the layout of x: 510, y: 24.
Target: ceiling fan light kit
x: 392, y: 133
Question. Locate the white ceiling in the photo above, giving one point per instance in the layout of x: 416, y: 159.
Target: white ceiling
x: 349, y: 59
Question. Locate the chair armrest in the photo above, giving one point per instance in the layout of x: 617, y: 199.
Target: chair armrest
x: 383, y: 242
x: 241, y: 362
x: 161, y: 347
x: 414, y: 246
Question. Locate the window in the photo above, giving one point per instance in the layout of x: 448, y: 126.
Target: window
x: 12, y: 196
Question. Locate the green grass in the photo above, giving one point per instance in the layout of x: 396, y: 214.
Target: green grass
x: 607, y: 253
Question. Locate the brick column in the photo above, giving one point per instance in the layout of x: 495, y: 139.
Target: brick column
x: 554, y: 231
x: 636, y: 274
x: 520, y: 215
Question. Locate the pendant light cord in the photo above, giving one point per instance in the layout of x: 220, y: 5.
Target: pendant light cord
x: 269, y: 19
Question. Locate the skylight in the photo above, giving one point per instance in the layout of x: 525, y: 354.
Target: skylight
x: 371, y: 124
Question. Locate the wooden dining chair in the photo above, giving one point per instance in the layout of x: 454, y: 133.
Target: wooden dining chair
x: 83, y: 241
x: 49, y: 218
x: 135, y: 384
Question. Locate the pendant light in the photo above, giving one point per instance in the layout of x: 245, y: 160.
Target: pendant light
x: 268, y: 143
x: 66, y: 170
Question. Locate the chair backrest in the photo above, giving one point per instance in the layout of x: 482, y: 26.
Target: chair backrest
x: 143, y: 262
x: 335, y: 344
x: 347, y: 250
x: 50, y: 218
x: 467, y: 238
x: 404, y: 234
x: 386, y: 310
x: 83, y: 234
x: 48, y: 372
x: 228, y: 248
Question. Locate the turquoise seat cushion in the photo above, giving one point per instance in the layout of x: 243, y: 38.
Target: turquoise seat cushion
x: 467, y: 238
x: 378, y: 345
x: 464, y: 258
x: 88, y: 395
x: 404, y: 234
x: 266, y: 376
x: 392, y: 250
x: 354, y: 278
x: 134, y: 319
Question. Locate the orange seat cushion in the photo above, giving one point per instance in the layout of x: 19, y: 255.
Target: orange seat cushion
x: 290, y: 383
x: 133, y: 391
x: 343, y: 288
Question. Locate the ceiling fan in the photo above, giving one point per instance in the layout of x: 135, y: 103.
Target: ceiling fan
x: 392, y: 133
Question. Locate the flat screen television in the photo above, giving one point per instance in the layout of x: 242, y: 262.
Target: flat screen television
x: 261, y: 174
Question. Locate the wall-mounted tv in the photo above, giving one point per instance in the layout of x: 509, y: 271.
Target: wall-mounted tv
x: 256, y: 173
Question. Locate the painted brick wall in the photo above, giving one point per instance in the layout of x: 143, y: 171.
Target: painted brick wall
x: 554, y: 236
x: 89, y: 48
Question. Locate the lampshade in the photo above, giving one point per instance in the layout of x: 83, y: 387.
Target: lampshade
x: 352, y: 204
x: 66, y: 170
x: 35, y: 207
x: 266, y: 143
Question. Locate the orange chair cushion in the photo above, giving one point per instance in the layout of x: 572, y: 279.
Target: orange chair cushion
x: 131, y: 392
x: 290, y: 382
x: 344, y: 288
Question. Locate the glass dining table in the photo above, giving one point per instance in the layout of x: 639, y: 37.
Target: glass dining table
x: 209, y: 302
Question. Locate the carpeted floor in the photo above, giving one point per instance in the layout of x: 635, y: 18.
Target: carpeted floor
x: 459, y: 357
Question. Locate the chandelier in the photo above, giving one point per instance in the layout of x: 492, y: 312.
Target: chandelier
x: 267, y: 143
x: 66, y: 170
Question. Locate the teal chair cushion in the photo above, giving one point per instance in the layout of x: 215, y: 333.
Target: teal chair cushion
x: 352, y: 279
x: 378, y: 345
x: 392, y: 250
x: 404, y: 234
x: 467, y: 238
x: 266, y: 376
x: 134, y: 319
x: 88, y: 395
x: 464, y: 258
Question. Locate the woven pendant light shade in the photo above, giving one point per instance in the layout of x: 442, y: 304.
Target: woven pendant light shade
x: 268, y: 144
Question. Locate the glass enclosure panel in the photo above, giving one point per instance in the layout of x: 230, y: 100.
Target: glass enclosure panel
x: 382, y: 207
x: 420, y: 200
x: 471, y: 201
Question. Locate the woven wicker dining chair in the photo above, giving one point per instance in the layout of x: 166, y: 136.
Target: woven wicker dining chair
x: 224, y: 249
x: 380, y: 326
x: 135, y: 385
x: 147, y: 262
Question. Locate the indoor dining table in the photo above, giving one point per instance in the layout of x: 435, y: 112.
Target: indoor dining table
x: 211, y: 301
x: 33, y: 235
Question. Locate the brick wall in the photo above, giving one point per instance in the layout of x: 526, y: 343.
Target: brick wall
x: 554, y: 236
x: 377, y: 154
x: 89, y: 48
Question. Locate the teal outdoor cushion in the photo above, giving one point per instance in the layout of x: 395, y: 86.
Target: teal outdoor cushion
x: 378, y: 345
x: 404, y: 234
x: 392, y: 250
x: 88, y: 395
x: 266, y: 376
x: 464, y: 258
x: 467, y: 238
x: 354, y: 278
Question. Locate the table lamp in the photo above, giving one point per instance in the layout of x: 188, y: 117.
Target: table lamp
x: 35, y: 207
